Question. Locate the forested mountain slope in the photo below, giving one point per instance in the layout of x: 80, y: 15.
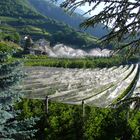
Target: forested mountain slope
x: 53, y: 11
x: 22, y: 17
x: 17, y: 8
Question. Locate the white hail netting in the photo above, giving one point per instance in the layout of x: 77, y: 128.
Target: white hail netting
x: 99, y: 87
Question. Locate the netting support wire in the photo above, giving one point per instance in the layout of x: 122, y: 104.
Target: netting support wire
x: 83, y: 108
x: 47, y: 105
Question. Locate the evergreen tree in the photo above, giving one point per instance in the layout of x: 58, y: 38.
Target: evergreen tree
x: 122, y: 15
x: 10, y: 75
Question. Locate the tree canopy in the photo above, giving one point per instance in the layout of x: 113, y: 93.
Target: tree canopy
x: 122, y: 16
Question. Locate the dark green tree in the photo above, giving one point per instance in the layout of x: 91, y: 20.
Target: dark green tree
x: 107, y: 124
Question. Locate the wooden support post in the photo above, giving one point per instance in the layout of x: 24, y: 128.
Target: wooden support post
x: 83, y: 108
x: 47, y: 104
x: 127, y: 115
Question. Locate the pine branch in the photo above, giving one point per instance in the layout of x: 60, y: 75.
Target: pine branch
x: 124, y: 21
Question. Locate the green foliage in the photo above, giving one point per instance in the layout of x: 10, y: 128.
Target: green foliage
x: 134, y: 122
x: 9, y: 33
x: 30, y: 108
x: 68, y: 36
x: 66, y: 121
x: 9, y: 47
x: 15, y: 37
x: 33, y: 60
x: 17, y: 8
x: 107, y: 124
x: 62, y: 122
x: 10, y: 75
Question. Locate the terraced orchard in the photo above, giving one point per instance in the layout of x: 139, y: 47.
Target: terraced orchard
x: 98, y: 87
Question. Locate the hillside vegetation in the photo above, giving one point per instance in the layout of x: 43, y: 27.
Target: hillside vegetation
x: 17, y: 8
x: 66, y: 122
x: 22, y: 17
x: 51, y: 10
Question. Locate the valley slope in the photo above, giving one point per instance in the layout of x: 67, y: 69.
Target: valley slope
x: 22, y: 17
x: 51, y: 10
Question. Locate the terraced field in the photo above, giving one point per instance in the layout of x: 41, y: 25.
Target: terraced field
x: 97, y: 87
